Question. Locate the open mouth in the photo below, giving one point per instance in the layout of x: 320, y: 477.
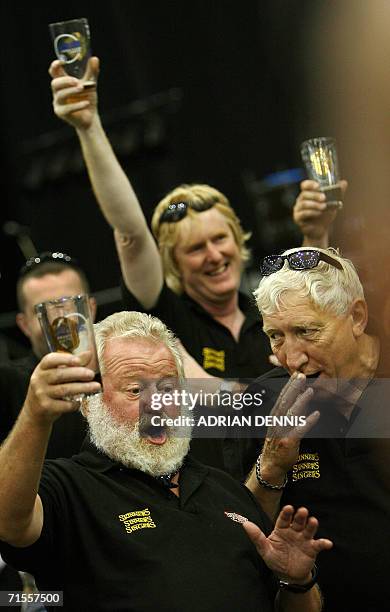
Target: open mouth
x: 313, y: 376
x: 219, y: 270
x: 157, y: 434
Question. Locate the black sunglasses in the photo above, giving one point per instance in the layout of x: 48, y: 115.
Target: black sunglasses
x: 300, y: 260
x: 178, y: 210
x: 37, y: 260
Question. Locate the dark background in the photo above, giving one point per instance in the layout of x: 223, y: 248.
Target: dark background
x: 207, y: 91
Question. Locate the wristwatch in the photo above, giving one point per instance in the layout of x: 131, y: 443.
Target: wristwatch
x: 300, y: 588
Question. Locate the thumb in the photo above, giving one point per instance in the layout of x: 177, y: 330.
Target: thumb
x: 56, y: 69
x: 256, y: 536
x: 93, y: 68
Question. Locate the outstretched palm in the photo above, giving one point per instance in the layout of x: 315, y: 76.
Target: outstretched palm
x: 290, y: 550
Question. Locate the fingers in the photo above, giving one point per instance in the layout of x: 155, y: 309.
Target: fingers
x: 69, y: 96
x: 310, y: 196
x: 84, y: 358
x: 322, y: 544
x: 301, y: 522
x: 285, y: 517
x: 54, y: 360
x: 255, y: 535
x: 62, y: 374
x: 59, y: 376
x: 290, y: 392
x: 301, y: 430
x: 311, y: 202
x: 56, y: 69
x: 344, y: 185
x: 309, y: 185
x: 61, y: 391
x: 63, y: 88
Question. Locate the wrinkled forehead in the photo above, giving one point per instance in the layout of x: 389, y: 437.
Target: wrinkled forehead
x: 291, y: 302
x: 131, y: 357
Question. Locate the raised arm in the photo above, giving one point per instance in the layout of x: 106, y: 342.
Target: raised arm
x: 138, y: 253
x: 22, y: 454
x: 312, y: 215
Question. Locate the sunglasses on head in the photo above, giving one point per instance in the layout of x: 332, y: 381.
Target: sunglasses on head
x: 37, y: 260
x: 178, y: 210
x: 299, y: 260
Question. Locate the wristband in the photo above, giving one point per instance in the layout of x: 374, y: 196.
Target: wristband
x: 300, y: 588
x: 266, y: 484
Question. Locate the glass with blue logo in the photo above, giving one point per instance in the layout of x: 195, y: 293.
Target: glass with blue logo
x: 67, y: 327
x: 72, y: 46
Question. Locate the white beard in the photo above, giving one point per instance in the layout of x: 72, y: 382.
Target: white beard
x: 124, y: 444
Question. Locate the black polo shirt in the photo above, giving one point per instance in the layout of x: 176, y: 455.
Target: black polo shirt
x: 208, y: 341
x: 117, y: 539
x: 344, y: 480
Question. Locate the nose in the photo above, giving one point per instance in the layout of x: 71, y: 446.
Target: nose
x: 296, y: 356
x: 213, y: 253
x: 148, y: 401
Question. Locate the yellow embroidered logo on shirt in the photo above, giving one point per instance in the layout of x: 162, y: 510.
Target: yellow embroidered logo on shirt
x: 137, y: 519
x: 213, y: 359
x: 307, y: 466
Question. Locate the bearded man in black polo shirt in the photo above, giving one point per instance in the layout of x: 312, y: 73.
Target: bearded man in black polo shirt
x: 132, y: 523
x: 315, y: 316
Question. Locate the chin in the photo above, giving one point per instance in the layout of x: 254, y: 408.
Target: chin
x: 125, y: 444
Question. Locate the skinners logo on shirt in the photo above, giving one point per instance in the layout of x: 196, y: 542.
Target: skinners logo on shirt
x: 213, y: 359
x: 137, y: 519
x: 307, y: 466
x: 237, y: 518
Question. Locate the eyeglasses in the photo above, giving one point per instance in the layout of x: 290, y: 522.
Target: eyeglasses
x: 178, y: 210
x: 46, y: 257
x: 300, y: 260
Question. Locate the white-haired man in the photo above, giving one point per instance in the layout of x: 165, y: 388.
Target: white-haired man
x: 133, y: 523
x: 315, y: 316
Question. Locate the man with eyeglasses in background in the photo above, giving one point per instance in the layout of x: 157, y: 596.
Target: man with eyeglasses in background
x: 47, y: 276
x: 188, y: 271
x: 315, y: 316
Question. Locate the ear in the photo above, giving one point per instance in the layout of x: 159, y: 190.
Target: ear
x: 359, y: 314
x: 93, y: 308
x: 22, y: 323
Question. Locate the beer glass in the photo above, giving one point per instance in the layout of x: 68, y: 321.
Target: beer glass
x: 320, y: 158
x: 67, y: 326
x: 72, y: 46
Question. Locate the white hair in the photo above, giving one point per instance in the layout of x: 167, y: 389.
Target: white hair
x: 122, y: 441
x: 327, y: 287
x: 131, y: 324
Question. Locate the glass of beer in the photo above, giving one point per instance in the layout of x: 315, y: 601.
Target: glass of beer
x: 320, y: 158
x: 72, y: 46
x: 67, y: 327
